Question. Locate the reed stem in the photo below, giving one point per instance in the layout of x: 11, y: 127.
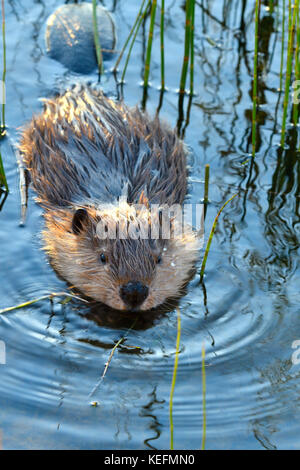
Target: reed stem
x: 211, y: 237
x: 149, y: 44
x: 206, y: 183
x: 3, y: 180
x: 187, y: 43
x: 162, y: 44
x: 254, y: 110
x: 297, y: 65
x: 97, y: 39
x: 192, y: 33
x: 138, y: 17
x: 282, y: 46
x: 203, y: 398
x: 292, y: 22
x: 174, y: 378
x: 141, y: 18
x: 2, y: 125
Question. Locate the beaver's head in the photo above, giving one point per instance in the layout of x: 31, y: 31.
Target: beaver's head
x: 126, y: 258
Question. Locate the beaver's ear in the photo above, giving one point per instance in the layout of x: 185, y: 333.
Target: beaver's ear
x: 80, y: 219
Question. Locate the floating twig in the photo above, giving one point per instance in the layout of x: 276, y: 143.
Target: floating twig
x: 120, y: 341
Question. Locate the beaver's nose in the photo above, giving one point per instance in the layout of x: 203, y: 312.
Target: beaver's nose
x: 134, y: 293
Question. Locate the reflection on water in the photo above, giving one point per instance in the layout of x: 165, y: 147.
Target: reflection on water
x: 247, y: 309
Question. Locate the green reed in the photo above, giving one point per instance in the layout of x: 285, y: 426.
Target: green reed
x: 140, y: 19
x: 206, y: 183
x: 254, y: 110
x: 2, y: 124
x: 206, y: 188
x: 3, y: 181
x: 136, y: 23
x: 192, y: 52
x: 282, y: 45
x: 174, y: 379
x: 290, y: 53
x: 211, y: 237
x: 203, y: 398
x: 162, y: 44
x: 149, y: 44
x: 297, y: 65
x: 67, y: 296
x: 97, y: 39
x: 187, y: 45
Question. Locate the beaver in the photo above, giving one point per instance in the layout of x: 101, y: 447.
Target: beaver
x: 94, y: 162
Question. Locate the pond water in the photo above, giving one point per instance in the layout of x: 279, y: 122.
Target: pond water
x: 247, y: 312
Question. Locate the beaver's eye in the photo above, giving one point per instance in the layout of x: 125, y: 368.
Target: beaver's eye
x: 103, y: 258
x: 159, y: 260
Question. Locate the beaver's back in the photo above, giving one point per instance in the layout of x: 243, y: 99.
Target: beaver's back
x: 85, y: 148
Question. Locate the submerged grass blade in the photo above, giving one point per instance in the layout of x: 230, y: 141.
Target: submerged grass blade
x: 254, y: 110
x: 97, y: 39
x: 203, y: 398
x: 39, y: 299
x: 174, y: 379
x: 192, y: 34
x: 292, y: 23
x: 211, y: 236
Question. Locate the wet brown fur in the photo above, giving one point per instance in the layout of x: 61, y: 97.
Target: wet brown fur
x: 86, y: 151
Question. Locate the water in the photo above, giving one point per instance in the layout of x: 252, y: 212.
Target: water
x: 248, y: 313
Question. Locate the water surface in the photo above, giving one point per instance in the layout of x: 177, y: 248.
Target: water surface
x: 247, y: 312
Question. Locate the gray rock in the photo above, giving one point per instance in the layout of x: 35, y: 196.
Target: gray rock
x: 70, y: 39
